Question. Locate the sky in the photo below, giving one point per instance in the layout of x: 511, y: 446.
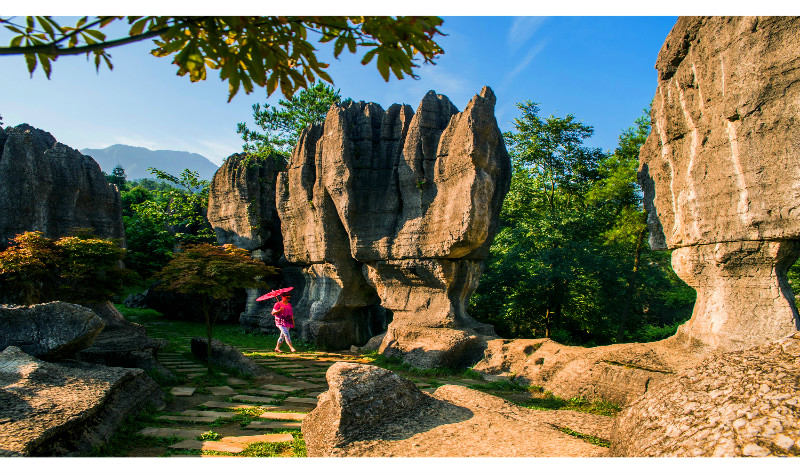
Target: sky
x: 598, y: 68
x: 601, y: 69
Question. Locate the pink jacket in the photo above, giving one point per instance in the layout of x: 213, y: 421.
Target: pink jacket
x: 285, y: 315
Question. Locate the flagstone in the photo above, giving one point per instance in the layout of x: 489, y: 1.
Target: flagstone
x: 195, y: 375
x: 169, y: 432
x: 282, y: 387
x: 302, y: 400
x: 314, y: 394
x: 227, y: 405
x: 214, y: 414
x: 263, y: 392
x: 236, y: 381
x: 182, y: 391
x: 295, y: 407
x: 221, y: 390
x: 252, y: 439
x: 208, y: 445
x: 283, y: 416
x: 246, y: 398
x: 192, y: 419
x: 259, y: 425
x: 187, y: 369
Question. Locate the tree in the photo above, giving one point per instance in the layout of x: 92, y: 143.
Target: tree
x: 117, y: 177
x: 281, y: 126
x: 271, y: 51
x: 212, y: 273
x: 37, y: 269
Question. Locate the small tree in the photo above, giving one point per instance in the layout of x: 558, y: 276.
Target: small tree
x: 212, y: 273
x: 28, y: 269
x: 117, y: 177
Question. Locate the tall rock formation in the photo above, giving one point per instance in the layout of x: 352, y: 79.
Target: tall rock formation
x: 393, y: 212
x: 720, y: 173
x: 49, y: 187
x: 241, y: 209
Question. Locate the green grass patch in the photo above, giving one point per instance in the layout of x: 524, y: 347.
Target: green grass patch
x: 397, y: 365
x: 550, y: 402
x: 138, y: 314
x: 585, y: 437
x: 127, y: 437
x: 209, y: 435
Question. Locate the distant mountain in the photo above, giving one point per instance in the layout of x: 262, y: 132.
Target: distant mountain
x: 136, y: 160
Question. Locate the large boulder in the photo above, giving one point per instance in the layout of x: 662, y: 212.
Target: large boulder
x: 49, y: 187
x: 371, y: 412
x: 720, y: 171
x: 742, y: 403
x: 615, y: 373
x: 241, y: 209
x: 392, y: 214
x: 225, y: 356
x: 51, y: 331
x: 66, y: 409
x: 124, y: 343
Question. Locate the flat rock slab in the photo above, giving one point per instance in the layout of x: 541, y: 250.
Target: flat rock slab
x: 214, y: 414
x: 282, y: 387
x: 167, y: 432
x: 182, y: 391
x: 192, y: 419
x: 246, y: 398
x: 302, y: 400
x: 252, y: 439
x: 188, y: 369
x: 259, y: 425
x: 301, y: 408
x: 283, y: 416
x: 263, y: 392
x: 227, y: 405
x: 236, y: 381
x: 221, y: 390
x: 208, y: 445
x: 314, y: 394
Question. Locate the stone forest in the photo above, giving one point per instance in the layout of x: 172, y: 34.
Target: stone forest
x: 383, y: 221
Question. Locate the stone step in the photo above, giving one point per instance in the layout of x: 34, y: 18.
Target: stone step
x: 168, y: 432
x: 252, y: 439
x: 301, y: 400
x: 182, y: 391
x: 263, y: 392
x: 214, y: 414
x: 314, y: 394
x: 187, y: 369
x: 246, y: 398
x: 227, y: 405
x: 208, y: 445
x: 192, y: 419
x: 283, y: 416
x: 195, y: 375
x: 301, y: 408
x: 221, y: 390
x: 260, y: 425
x: 236, y: 381
x: 281, y: 387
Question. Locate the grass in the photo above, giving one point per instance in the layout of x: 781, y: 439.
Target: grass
x: 126, y: 435
x: 585, y: 437
x: 397, y: 365
x: 550, y: 402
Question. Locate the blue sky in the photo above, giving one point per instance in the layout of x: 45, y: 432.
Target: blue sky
x: 601, y: 69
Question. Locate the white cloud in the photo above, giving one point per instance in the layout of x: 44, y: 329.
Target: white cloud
x: 522, y: 29
x: 537, y: 48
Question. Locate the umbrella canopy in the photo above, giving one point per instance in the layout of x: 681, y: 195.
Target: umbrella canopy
x: 274, y: 293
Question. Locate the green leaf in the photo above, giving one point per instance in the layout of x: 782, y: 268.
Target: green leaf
x: 97, y: 34
x: 383, y: 67
x: 30, y: 59
x: 368, y: 56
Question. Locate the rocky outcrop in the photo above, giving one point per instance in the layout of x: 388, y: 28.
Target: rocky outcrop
x: 65, y: 409
x: 50, y: 331
x: 742, y: 403
x: 241, y: 209
x: 126, y: 344
x: 225, y: 356
x: 49, y: 187
x: 614, y: 373
x: 371, y: 412
x: 719, y: 173
x: 391, y: 213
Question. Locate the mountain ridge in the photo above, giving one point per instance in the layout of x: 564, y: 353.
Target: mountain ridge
x: 135, y: 160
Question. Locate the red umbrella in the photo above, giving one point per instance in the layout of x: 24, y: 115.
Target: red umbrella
x: 274, y: 293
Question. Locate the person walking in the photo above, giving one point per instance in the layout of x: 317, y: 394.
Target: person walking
x: 284, y: 320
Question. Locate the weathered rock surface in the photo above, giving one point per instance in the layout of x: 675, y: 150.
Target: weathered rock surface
x: 225, y: 356
x: 615, y: 373
x: 124, y: 343
x: 65, y: 409
x: 49, y: 187
x: 392, y: 211
x: 742, y: 403
x: 241, y: 209
x: 371, y: 412
x: 719, y: 171
x: 51, y: 330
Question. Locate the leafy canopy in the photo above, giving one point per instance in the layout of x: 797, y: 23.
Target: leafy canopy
x: 271, y: 51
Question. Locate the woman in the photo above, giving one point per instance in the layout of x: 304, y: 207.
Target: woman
x: 284, y: 320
